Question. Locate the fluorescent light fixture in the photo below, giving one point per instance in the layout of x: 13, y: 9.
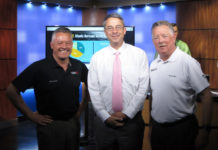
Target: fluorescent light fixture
x: 132, y: 8
x: 119, y: 10
x: 44, y: 6
x: 162, y: 6
x: 70, y: 9
x: 147, y: 7
x: 58, y: 7
x: 29, y: 4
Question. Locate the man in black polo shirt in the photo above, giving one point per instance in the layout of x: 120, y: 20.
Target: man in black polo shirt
x: 56, y: 82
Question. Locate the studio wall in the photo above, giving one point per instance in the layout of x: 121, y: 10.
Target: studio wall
x: 31, y: 22
x: 200, y: 31
x: 8, y: 55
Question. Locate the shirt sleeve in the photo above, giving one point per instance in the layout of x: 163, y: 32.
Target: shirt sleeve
x: 137, y: 102
x: 94, y: 91
x: 25, y: 79
x: 84, y: 74
x: 197, y: 78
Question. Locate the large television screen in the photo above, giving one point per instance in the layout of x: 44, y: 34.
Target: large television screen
x: 87, y: 40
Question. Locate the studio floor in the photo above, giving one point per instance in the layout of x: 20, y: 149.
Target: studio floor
x: 23, y: 137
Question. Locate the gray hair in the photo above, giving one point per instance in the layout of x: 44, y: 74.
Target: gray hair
x: 160, y: 23
x: 113, y: 15
x: 60, y: 29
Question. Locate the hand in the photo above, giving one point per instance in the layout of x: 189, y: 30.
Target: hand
x: 114, y: 122
x: 120, y: 115
x: 41, y: 119
x: 202, y: 139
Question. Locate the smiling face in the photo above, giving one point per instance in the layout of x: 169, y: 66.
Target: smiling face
x: 61, y: 45
x: 115, y: 32
x: 164, y: 41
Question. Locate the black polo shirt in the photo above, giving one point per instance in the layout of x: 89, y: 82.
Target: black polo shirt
x: 56, y: 91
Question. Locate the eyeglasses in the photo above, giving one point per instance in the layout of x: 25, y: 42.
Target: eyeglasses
x: 111, y: 28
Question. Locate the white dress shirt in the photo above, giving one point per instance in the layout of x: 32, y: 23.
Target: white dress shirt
x: 135, y: 79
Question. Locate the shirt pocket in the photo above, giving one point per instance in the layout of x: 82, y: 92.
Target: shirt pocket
x: 53, y: 84
x: 177, y: 81
x: 105, y: 76
x: 48, y: 85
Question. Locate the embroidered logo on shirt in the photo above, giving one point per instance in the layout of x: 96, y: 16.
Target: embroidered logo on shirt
x: 153, y: 69
x: 165, y: 62
x: 74, y: 72
x: 170, y: 75
x: 52, y: 81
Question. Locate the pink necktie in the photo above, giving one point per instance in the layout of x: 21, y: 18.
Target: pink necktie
x: 117, y: 97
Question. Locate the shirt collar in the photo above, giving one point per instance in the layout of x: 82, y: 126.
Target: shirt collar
x: 121, y: 49
x: 172, y: 58
x: 54, y: 64
x: 174, y: 55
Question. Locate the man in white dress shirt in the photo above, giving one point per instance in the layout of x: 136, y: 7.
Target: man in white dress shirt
x: 124, y: 129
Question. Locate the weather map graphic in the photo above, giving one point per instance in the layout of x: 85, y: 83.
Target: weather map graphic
x: 82, y: 50
x: 78, y: 49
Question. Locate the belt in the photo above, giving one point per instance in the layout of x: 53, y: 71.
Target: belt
x: 170, y: 124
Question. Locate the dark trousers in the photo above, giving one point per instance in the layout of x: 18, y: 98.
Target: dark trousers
x: 180, y: 135
x: 59, y: 135
x: 128, y: 137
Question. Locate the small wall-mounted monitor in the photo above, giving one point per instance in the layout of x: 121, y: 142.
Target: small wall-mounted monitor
x: 87, y: 40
